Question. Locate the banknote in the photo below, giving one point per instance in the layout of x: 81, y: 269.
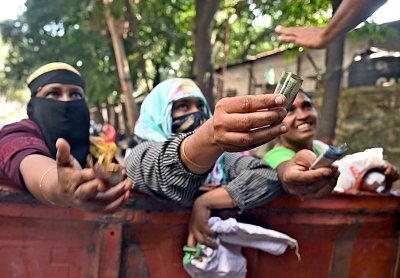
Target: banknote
x: 330, y: 155
x: 288, y: 85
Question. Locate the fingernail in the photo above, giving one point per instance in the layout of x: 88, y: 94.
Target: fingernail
x: 283, y: 128
x: 279, y: 100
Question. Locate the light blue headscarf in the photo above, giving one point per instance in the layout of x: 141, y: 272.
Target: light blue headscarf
x: 155, y: 121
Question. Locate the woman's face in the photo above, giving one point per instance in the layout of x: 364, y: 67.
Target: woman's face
x: 302, y: 120
x: 61, y: 92
x: 186, y: 106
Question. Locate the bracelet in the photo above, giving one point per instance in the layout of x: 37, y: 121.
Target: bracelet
x: 41, y: 183
x: 190, y: 161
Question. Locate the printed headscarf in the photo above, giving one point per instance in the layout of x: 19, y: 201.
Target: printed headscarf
x: 155, y: 121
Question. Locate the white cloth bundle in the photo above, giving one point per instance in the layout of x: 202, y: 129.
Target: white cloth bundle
x: 227, y: 260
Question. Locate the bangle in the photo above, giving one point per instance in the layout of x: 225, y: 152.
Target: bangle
x: 190, y: 161
x: 41, y: 183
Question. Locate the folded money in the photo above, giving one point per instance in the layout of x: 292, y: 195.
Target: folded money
x: 330, y: 155
x: 289, y: 85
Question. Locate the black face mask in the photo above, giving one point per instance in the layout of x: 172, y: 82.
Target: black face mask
x: 62, y: 119
x: 188, y: 123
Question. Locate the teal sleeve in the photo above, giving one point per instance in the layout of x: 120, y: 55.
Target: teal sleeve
x: 278, y: 155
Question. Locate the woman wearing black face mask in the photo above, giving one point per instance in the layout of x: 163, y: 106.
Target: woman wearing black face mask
x: 34, y: 157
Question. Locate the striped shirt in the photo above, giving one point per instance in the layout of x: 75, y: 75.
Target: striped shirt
x: 157, y: 170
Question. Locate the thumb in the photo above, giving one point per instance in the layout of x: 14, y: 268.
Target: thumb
x: 304, y: 158
x: 64, y: 157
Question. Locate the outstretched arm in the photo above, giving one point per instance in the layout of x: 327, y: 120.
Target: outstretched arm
x: 239, y: 123
x: 349, y: 14
x: 62, y: 182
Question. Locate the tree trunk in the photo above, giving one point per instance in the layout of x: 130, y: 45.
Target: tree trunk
x: 125, y: 120
x: 133, y: 24
x: 331, y: 85
x: 205, y: 11
x: 98, y: 114
x: 116, y: 124
x: 110, y: 113
x: 123, y: 68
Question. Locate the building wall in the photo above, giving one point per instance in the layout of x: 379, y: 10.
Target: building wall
x: 238, y: 76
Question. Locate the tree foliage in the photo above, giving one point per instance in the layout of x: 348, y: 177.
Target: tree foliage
x: 52, y: 30
x: 60, y: 33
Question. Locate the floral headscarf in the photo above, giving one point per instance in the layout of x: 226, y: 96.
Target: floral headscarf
x: 155, y: 121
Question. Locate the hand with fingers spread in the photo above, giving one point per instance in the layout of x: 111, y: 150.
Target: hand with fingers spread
x: 79, y: 187
x: 306, y: 36
x: 349, y: 14
x: 298, y: 180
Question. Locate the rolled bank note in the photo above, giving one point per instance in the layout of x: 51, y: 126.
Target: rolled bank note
x: 288, y: 85
x: 329, y: 155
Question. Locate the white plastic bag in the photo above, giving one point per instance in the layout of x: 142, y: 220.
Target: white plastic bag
x: 352, y: 166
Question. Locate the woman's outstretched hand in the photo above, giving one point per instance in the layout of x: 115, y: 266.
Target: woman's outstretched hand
x: 245, y: 122
x: 79, y: 187
x: 239, y: 123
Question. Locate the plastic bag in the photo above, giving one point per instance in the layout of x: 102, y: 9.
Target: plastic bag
x: 353, y: 168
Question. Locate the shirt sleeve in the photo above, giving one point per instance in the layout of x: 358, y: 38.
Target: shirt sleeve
x: 251, y: 181
x: 157, y: 170
x: 17, y: 141
x: 278, y: 155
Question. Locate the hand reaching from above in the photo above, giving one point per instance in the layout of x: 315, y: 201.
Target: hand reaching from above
x: 298, y: 180
x: 306, y: 36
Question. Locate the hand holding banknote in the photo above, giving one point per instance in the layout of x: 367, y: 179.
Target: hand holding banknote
x: 239, y: 124
x: 299, y: 180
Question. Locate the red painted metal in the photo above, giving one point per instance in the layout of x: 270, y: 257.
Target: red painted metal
x: 339, y: 236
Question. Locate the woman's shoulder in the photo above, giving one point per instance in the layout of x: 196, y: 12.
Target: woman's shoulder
x: 24, y: 128
x: 25, y: 125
